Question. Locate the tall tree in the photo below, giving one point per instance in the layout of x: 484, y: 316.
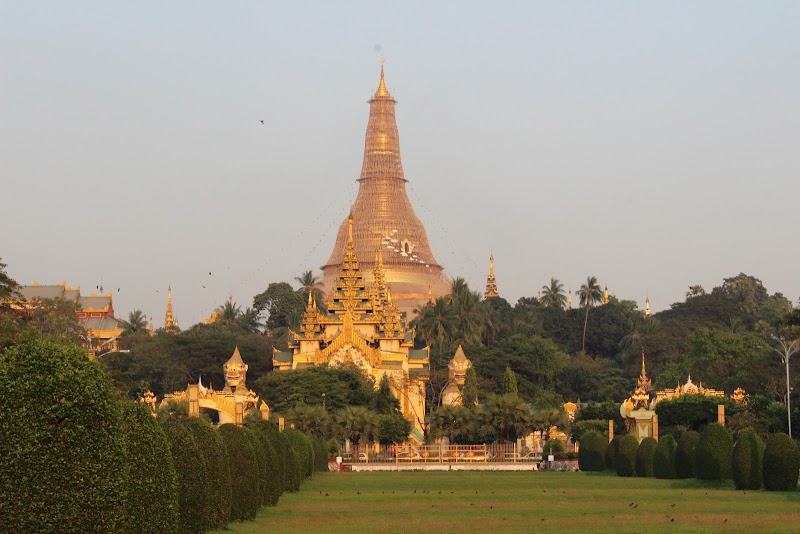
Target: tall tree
x: 510, y: 383
x: 8, y: 286
x: 435, y: 322
x: 589, y: 294
x: 553, y: 295
x: 469, y: 394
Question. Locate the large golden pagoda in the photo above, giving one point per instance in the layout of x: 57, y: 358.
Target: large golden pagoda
x: 384, y: 218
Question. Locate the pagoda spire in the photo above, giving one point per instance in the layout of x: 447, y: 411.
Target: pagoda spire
x: 647, y: 306
x: 605, y: 295
x: 644, y: 381
x: 383, y: 216
x: 569, y: 299
x: 491, y: 283
x: 170, y: 323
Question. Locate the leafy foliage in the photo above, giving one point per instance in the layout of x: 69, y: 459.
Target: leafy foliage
x: 342, y: 386
x: 611, y: 452
x: 664, y: 458
x: 301, y: 444
x: 151, y: 474
x: 272, y: 485
x: 591, y: 455
x: 393, y: 428
x: 245, y: 486
x: 644, y: 457
x: 692, y: 411
x: 714, y: 453
x: 215, y: 460
x: 625, y: 457
x: 192, y: 480
x: 261, y: 461
x: 686, y: 454
x: 781, y: 463
x: 62, y: 450
x: 748, y: 459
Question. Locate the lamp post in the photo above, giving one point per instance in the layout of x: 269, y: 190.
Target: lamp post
x: 785, y: 352
x: 323, y: 402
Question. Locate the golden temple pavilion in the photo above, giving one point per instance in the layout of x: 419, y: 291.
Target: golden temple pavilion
x: 383, y: 217
x: 365, y: 327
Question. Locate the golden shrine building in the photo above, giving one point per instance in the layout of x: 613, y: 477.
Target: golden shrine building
x: 363, y: 327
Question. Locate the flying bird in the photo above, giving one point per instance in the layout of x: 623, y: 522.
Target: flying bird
x: 262, y: 121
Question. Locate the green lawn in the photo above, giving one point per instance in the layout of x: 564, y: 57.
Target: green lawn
x: 470, y: 501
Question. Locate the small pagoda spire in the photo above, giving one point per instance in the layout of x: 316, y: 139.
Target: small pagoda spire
x: 569, y: 299
x: 491, y: 283
x: 152, y: 330
x: 350, y: 232
x: 647, y: 307
x: 170, y: 324
x: 382, y: 91
x: 605, y: 295
x: 644, y: 381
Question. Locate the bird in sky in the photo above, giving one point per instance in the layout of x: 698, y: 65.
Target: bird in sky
x: 262, y: 121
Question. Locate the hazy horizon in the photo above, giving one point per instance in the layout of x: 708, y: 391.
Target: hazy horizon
x: 654, y: 146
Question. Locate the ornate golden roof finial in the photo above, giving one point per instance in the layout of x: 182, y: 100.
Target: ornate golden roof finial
x: 382, y: 91
x: 647, y: 307
x: 569, y: 299
x: 644, y: 381
x: 605, y: 295
x: 350, y: 232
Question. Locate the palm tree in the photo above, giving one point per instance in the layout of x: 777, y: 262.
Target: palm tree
x: 136, y: 322
x: 313, y: 420
x: 435, y: 322
x: 308, y: 281
x: 229, y: 312
x: 470, y: 316
x: 249, y: 319
x: 452, y: 422
x: 554, y: 294
x: 589, y: 294
x: 357, y: 424
x: 506, y: 415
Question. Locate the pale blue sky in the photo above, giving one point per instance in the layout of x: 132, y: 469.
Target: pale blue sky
x: 654, y: 145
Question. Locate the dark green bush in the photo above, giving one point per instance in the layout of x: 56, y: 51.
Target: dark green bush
x: 305, y: 452
x: 748, y: 456
x: 151, y: 472
x: 192, y: 482
x: 320, y: 453
x: 245, y: 497
x: 611, y: 452
x: 218, y: 471
x: 271, y: 492
x: 591, y: 455
x: 62, y: 449
x: 625, y: 459
x: 693, y: 411
x: 714, y: 453
x: 686, y: 454
x: 273, y: 435
x: 664, y: 458
x: 580, y: 428
x: 644, y: 457
x: 552, y: 446
x: 294, y: 471
x: 781, y: 463
x: 261, y: 460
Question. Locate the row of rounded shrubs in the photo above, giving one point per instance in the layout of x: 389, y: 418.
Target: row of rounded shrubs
x: 73, y: 458
x: 710, y: 455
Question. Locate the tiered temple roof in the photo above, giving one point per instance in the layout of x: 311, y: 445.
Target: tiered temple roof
x: 491, y: 283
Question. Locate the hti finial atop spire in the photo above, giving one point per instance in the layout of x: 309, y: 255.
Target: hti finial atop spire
x: 491, y: 283
x: 350, y: 232
x: 382, y: 91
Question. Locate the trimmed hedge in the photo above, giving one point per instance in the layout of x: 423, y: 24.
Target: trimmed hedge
x: 245, y: 498
x: 294, y: 471
x: 152, y: 473
x: 261, y: 460
x: 192, y: 483
x: 611, y: 452
x: 305, y: 451
x: 320, y: 454
x: 218, y: 471
x: 62, y: 450
x: 271, y: 492
x: 552, y: 446
x: 714, y: 453
x: 748, y: 459
x: 591, y: 455
x: 273, y: 435
x: 625, y: 458
x: 664, y: 458
x: 686, y: 454
x: 644, y: 457
x: 781, y: 463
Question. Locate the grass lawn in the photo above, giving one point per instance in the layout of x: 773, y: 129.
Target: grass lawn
x: 470, y: 501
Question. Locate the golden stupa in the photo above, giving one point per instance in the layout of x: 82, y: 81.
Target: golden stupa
x: 384, y: 218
